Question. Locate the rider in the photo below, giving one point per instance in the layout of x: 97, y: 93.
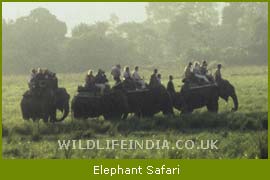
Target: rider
x: 31, y: 81
x: 40, y: 74
x: 217, y: 75
x: 153, y: 79
x: 200, y: 72
x: 159, y: 79
x: 126, y: 74
x: 54, y: 81
x: 116, y: 73
x: 137, y: 77
x: 89, y: 79
x: 203, y: 68
x: 196, y: 68
x: 33, y: 74
x: 188, y: 72
x: 46, y: 74
x: 101, y: 80
x: 170, y: 86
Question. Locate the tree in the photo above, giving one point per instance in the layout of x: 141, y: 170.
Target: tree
x: 35, y: 39
x: 244, y: 31
x: 189, y: 26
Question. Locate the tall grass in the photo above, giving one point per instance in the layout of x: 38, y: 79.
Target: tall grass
x: 241, y: 135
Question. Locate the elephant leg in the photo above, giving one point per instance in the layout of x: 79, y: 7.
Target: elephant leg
x: 213, y: 107
x: 186, y: 111
x: 106, y: 116
x: 124, y: 116
x: 34, y: 119
x: 26, y: 118
x: 46, y: 119
x: 52, y: 115
x: 168, y: 112
x: 148, y: 114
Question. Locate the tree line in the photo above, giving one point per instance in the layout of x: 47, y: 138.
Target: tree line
x: 173, y: 34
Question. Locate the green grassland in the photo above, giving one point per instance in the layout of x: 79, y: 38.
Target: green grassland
x: 242, y: 134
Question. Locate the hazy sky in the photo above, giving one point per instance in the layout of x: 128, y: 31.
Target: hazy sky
x: 73, y: 13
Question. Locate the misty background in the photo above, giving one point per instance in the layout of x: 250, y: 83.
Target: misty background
x: 73, y: 37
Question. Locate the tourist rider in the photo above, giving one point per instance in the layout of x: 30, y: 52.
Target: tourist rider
x: 116, y: 73
x: 101, y: 81
x: 89, y: 79
x: 137, y: 78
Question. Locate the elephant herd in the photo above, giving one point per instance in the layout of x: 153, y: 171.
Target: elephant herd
x: 118, y: 102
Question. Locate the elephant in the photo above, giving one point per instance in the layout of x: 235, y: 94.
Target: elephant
x: 147, y: 102
x: 84, y: 106
x: 189, y: 99
x: 44, y: 104
x: 111, y: 105
x: 120, y: 101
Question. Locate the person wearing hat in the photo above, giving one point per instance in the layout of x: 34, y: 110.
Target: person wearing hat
x: 217, y: 74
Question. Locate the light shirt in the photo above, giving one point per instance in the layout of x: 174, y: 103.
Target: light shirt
x: 136, y: 76
x: 116, y: 71
x: 126, y: 75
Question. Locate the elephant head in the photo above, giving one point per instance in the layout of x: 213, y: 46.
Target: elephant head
x: 227, y: 90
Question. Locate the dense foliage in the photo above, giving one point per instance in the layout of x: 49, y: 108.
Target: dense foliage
x: 172, y: 33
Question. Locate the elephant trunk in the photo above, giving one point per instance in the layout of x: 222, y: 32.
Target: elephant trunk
x: 65, y: 113
x: 235, y: 101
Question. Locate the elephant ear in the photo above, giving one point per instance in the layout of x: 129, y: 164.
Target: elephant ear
x: 225, y: 88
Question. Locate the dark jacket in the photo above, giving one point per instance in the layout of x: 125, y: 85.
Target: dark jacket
x: 170, y: 87
x: 101, y: 78
x: 154, y: 81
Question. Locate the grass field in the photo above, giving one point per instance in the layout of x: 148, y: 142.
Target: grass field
x: 242, y: 134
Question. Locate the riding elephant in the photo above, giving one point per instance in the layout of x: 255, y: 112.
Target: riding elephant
x: 147, y: 102
x: 44, y: 104
x: 122, y: 100
x: 86, y: 106
x: 111, y: 105
x: 189, y: 99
